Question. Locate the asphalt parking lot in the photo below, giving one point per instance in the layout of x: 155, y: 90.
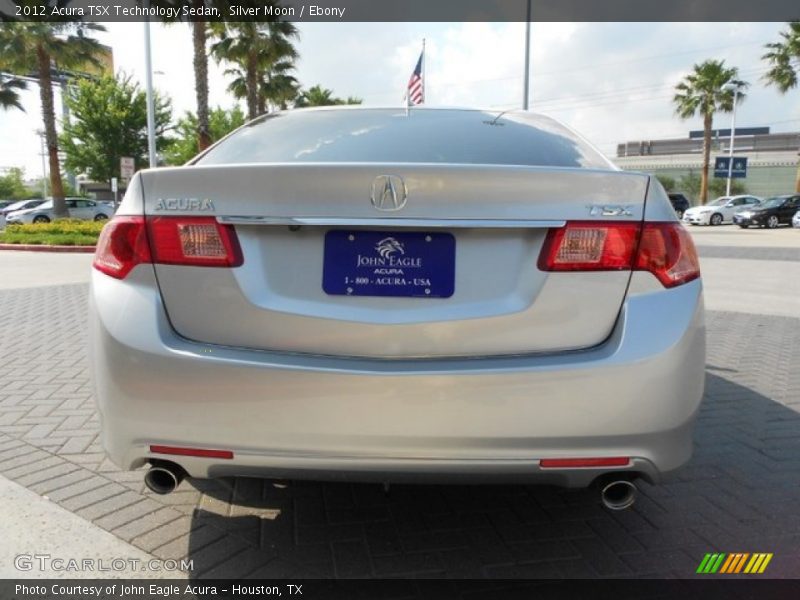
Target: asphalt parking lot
x: 740, y: 492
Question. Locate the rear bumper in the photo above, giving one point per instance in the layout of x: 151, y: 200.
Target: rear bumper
x: 314, y: 417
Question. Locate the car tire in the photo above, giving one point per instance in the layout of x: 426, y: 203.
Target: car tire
x: 772, y: 221
x: 716, y: 219
x: 743, y: 226
x: 41, y: 219
x: 101, y: 217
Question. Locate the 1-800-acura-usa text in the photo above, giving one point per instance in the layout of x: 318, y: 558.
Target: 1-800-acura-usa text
x: 398, y: 295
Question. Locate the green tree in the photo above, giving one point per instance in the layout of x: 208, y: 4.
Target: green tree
x: 784, y: 73
x: 185, y: 144
x: 690, y: 185
x: 276, y: 86
x: 12, y: 186
x: 319, y: 96
x: 254, y: 47
x: 667, y: 181
x: 37, y: 47
x: 108, y: 120
x: 718, y: 187
x: 701, y: 93
x: 9, y: 93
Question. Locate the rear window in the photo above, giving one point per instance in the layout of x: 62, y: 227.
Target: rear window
x: 397, y: 136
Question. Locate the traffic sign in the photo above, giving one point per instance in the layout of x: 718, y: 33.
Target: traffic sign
x: 739, y: 170
x: 126, y: 167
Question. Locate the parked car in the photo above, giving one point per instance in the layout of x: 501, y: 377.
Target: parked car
x: 78, y: 208
x: 6, y: 203
x: 720, y: 210
x: 21, y: 205
x: 796, y: 219
x: 680, y: 203
x: 482, y: 312
x: 770, y: 213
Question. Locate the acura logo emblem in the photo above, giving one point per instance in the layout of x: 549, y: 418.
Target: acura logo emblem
x: 389, y: 192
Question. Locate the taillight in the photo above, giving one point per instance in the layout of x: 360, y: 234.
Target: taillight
x: 197, y: 241
x: 127, y: 241
x: 590, y: 246
x: 664, y: 249
x: 122, y: 245
x: 668, y: 252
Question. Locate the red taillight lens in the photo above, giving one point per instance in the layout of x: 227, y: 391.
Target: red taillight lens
x: 127, y: 241
x: 122, y: 245
x: 197, y: 241
x: 668, y: 252
x: 590, y: 246
x: 664, y: 249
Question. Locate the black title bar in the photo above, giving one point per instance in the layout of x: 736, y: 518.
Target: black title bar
x: 403, y: 10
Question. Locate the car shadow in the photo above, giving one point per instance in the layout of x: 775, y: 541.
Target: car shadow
x: 739, y: 492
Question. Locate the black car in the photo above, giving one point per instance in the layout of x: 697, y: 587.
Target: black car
x: 770, y: 213
x: 680, y: 203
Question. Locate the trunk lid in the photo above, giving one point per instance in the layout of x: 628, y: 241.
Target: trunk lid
x: 486, y: 225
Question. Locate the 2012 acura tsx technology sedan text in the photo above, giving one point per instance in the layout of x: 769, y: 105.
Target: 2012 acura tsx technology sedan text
x: 398, y: 295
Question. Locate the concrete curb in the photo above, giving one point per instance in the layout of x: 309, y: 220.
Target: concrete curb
x: 44, y: 248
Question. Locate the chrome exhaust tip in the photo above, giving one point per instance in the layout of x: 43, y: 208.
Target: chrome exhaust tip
x: 618, y: 495
x: 163, y: 478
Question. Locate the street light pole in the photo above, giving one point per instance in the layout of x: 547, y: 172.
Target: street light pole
x: 151, y: 124
x: 735, y: 89
x: 526, y: 84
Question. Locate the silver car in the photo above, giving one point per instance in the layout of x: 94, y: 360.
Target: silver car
x: 78, y: 208
x: 398, y: 295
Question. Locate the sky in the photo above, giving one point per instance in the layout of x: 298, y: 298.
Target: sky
x: 612, y: 82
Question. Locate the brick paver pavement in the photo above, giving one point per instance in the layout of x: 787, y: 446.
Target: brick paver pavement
x: 740, y: 493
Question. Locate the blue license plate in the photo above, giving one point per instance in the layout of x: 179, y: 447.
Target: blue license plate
x: 382, y: 263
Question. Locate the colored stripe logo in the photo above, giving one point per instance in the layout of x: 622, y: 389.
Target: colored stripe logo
x: 735, y: 562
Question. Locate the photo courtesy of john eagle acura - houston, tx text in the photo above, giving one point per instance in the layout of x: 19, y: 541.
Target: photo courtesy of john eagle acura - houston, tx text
x: 398, y: 295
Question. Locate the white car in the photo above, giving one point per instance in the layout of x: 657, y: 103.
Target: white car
x: 719, y: 211
x: 78, y: 208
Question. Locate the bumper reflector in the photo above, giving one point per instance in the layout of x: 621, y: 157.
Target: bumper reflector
x: 573, y: 463
x: 201, y: 452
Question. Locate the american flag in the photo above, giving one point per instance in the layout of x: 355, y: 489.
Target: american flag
x: 416, y: 86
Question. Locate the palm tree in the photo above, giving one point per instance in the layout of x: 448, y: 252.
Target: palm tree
x: 276, y: 87
x: 784, y: 60
x: 701, y: 93
x: 36, y: 47
x: 254, y: 47
x: 9, y: 93
x: 319, y: 96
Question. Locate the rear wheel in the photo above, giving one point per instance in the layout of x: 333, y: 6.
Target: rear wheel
x: 41, y: 219
x: 101, y: 217
x: 744, y: 226
x: 716, y: 219
x: 772, y: 222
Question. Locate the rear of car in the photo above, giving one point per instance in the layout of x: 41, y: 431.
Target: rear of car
x: 680, y: 203
x: 392, y: 295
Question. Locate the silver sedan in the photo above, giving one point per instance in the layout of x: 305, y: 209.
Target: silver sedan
x: 398, y: 295
x: 78, y: 208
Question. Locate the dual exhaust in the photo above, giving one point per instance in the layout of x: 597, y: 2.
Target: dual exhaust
x: 163, y: 477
